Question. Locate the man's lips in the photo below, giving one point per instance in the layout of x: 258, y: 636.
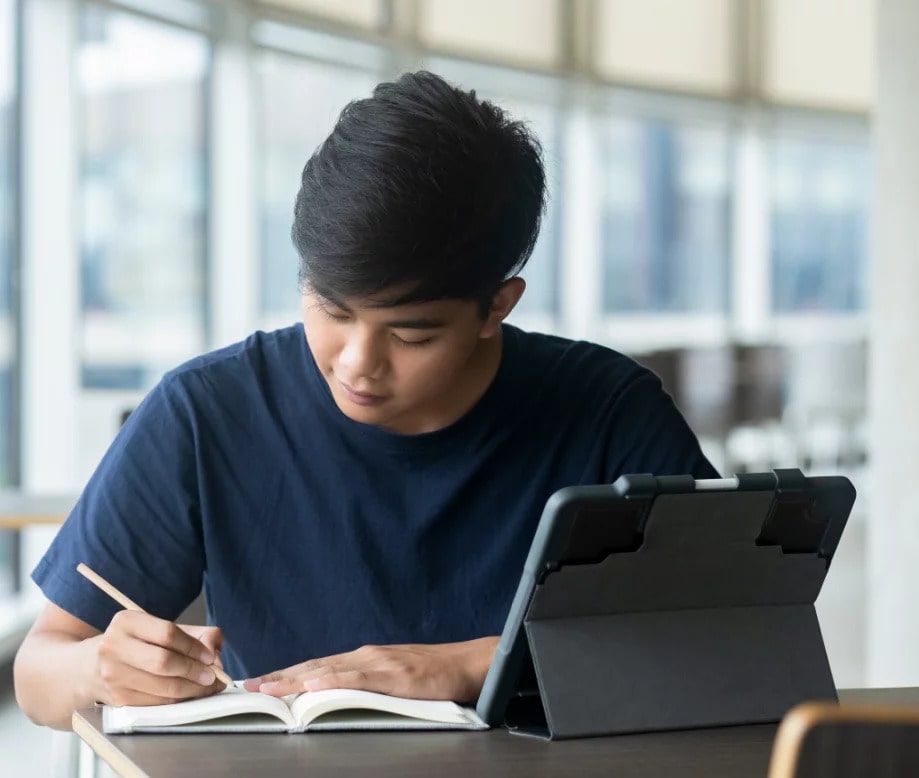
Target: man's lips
x: 360, y: 398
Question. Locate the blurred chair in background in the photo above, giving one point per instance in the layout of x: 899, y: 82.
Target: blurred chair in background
x: 760, y: 406
x: 825, y: 740
x: 826, y: 408
x: 706, y: 376
x: 700, y: 394
x: 665, y: 364
x: 733, y: 397
x: 759, y: 390
x: 757, y: 440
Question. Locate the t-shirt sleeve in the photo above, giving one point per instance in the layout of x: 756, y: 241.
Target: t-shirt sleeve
x: 651, y: 436
x: 137, y: 522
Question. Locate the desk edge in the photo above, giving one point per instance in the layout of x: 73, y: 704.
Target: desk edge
x: 104, y: 748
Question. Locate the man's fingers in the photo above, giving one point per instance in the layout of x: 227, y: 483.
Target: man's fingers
x: 290, y: 684
x: 328, y: 677
x: 278, y: 686
x: 290, y: 680
x: 164, y: 663
x: 284, y: 676
x: 133, y: 684
x: 210, y: 637
x: 254, y: 684
x: 274, y: 688
x: 308, y: 667
x: 297, y: 671
x: 166, y: 634
x: 144, y: 660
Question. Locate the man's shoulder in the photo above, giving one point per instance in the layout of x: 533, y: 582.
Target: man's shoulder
x: 249, y: 359
x: 568, y: 358
x: 579, y: 378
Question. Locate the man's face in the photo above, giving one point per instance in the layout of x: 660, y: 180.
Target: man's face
x: 403, y: 368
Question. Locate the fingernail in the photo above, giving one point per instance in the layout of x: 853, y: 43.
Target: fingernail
x: 268, y: 687
x: 207, y: 677
x: 206, y: 657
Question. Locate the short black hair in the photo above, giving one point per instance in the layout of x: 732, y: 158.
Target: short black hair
x: 422, y: 188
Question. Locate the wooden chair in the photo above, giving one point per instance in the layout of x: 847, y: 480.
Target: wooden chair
x: 826, y: 740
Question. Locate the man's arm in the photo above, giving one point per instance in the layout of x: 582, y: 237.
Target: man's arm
x: 447, y: 671
x: 64, y: 664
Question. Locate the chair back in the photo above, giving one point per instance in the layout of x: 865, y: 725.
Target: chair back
x: 826, y: 740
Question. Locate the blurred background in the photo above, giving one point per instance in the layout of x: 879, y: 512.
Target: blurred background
x: 713, y: 180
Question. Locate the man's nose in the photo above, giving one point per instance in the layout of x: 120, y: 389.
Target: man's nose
x: 362, y: 356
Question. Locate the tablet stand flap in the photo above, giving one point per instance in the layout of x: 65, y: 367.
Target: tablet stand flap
x: 658, y: 670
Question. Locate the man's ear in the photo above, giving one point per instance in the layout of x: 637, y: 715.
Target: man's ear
x: 507, y: 296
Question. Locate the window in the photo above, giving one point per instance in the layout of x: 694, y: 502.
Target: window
x: 300, y: 100
x: 142, y: 187
x: 666, y: 214
x: 819, y: 223
x: 7, y: 231
x: 7, y: 264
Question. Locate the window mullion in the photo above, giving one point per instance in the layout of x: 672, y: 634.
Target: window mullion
x: 50, y: 262
x: 233, y: 275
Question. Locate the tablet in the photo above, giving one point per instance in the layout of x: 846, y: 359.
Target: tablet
x: 584, y: 525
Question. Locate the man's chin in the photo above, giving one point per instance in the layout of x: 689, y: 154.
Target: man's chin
x: 383, y: 416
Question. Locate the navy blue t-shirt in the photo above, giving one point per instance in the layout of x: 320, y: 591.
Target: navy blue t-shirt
x: 314, y: 534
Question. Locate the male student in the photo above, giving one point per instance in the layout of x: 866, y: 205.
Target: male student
x: 358, y: 493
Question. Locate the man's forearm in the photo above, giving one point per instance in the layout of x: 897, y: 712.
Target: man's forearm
x: 54, y: 674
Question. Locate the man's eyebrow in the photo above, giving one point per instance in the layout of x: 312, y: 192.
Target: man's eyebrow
x: 334, y: 303
x: 416, y: 324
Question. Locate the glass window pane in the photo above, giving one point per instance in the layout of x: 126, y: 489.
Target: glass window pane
x: 300, y: 100
x: 7, y: 264
x: 7, y: 232
x: 819, y: 198
x: 142, y: 188
x: 666, y: 217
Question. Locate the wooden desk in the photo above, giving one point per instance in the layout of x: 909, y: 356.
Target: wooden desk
x: 19, y: 510
x: 712, y: 753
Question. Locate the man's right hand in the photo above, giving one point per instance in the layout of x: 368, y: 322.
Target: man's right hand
x: 144, y: 660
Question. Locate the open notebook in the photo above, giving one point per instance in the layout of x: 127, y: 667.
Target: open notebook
x: 236, y: 710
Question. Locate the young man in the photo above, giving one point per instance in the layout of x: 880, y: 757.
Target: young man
x: 357, y: 494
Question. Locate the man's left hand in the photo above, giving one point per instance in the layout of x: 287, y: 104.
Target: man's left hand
x: 446, y: 671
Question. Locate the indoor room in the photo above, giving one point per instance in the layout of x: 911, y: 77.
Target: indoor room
x: 731, y: 189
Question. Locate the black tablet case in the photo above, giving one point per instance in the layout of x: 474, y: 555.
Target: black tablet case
x: 624, y: 646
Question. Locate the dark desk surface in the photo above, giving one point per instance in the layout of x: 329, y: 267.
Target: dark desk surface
x: 730, y: 751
